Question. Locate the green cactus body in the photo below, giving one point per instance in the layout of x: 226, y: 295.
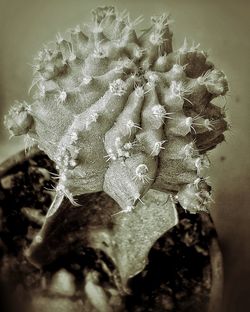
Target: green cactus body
x: 125, y: 113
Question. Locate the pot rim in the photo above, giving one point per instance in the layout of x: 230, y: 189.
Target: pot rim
x: 216, y: 258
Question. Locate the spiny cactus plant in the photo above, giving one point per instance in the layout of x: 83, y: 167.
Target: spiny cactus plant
x: 124, y: 113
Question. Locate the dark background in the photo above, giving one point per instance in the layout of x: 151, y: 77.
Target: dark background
x: 222, y: 29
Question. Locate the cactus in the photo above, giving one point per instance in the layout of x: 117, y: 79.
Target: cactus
x: 124, y: 113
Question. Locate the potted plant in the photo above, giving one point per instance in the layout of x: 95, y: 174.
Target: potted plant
x: 126, y: 122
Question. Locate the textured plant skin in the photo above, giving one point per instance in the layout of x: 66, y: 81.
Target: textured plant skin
x: 124, y: 113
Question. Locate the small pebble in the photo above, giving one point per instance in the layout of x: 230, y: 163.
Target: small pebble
x: 7, y: 182
x: 63, y: 283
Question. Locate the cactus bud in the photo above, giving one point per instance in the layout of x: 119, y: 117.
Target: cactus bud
x: 18, y: 121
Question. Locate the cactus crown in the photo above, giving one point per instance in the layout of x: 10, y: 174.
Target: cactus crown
x: 124, y: 113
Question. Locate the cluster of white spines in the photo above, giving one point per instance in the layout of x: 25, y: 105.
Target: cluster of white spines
x: 124, y: 113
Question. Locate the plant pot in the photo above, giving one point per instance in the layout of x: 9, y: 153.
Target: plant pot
x: 184, y: 270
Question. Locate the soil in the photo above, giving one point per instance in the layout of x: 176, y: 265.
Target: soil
x: 177, y: 278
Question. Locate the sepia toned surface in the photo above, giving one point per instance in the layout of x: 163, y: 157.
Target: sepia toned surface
x: 183, y: 273
x: 220, y: 28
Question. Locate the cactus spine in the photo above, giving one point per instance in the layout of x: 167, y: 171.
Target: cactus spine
x: 124, y: 113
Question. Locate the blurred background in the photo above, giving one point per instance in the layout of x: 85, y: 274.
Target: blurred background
x: 222, y: 29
